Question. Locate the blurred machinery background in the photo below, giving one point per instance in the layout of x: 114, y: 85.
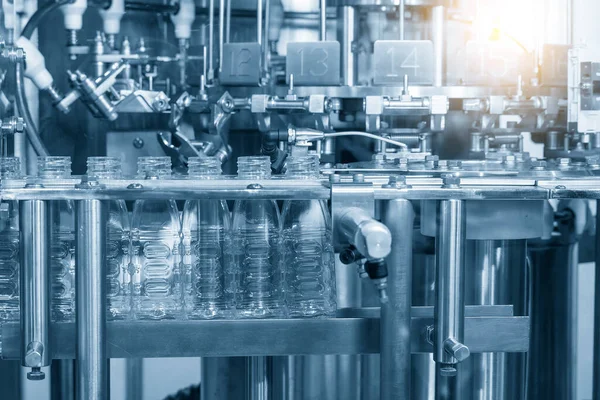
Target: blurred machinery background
x: 467, y: 130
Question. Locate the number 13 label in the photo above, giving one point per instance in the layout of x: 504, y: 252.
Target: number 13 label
x: 313, y: 63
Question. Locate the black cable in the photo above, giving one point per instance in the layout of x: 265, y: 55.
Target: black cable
x: 32, y: 132
x: 41, y: 12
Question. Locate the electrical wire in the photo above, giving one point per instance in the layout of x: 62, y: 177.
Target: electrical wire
x: 32, y: 132
x: 41, y: 12
x: 364, y: 134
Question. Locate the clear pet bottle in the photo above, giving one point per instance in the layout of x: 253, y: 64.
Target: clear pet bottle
x: 308, y: 250
x: 118, y: 256
x: 256, y: 247
x: 10, y: 168
x: 155, y: 246
x: 206, y: 224
x: 54, y: 171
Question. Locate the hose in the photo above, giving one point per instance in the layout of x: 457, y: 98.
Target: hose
x: 41, y: 12
x: 367, y: 135
x: 32, y: 132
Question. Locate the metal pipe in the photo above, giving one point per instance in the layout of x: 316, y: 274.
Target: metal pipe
x: 438, y: 35
x: 211, y: 38
x: 346, y: 35
x: 62, y: 374
x: 401, y: 17
x: 92, y: 362
x: 450, y: 268
x: 221, y: 32
x: 259, y: 21
x: 596, y: 382
x: 257, y: 384
x: 398, y: 216
x: 35, y: 286
x: 266, y: 49
x: 228, y: 22
x: 322, y: 20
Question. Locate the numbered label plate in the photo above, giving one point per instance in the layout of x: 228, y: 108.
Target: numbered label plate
x: 241, y: 64
x: 395, y: 58
x: 497, y: 63
x: 555, y: 68
x: 313, y: 63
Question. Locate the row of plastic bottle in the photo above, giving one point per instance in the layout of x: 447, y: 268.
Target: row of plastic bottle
x: 253, y: 263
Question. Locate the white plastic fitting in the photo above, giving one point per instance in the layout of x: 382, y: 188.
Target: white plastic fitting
x: 73, y: 14
x: 35, y: 65
x: 112, y: 17
x: 184, y: 19
x: 371, y: 238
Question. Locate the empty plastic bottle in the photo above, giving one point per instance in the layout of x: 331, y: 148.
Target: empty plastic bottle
x: 54, y: 171
x: 10, y: 168
x: 205, y: 227
x: 118, y: 255
x: 256, y: 249
x: 308, y: 251
x: 155, y: 246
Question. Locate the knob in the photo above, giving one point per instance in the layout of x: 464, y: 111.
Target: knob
x: 456, y: 349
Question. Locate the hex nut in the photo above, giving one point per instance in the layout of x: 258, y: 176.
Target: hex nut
x: 450, y: 181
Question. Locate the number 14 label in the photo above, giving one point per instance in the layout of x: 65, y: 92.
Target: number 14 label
x: 396, y: 58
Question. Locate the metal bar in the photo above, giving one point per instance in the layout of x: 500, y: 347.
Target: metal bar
x: 266, y: 48
x: 398, y: 216
x: 596, y: 369
x: 144, y: 339
x: 346, y: 35
x: 322, y: 20
x: 221, y: 32
x: 220, y: 377
x: 228, y: 22
x: 62, y: 375
x: 438, y: 35
x: 35, y: 287
x: 401, y: 18
x: 450, y: 267
x: 259, y: 21
x: 257, y: 380
x: 92, y: 360
x: 211, y: 40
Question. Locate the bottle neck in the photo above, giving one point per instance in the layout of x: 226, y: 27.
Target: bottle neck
x: 204, y: 168
x: 303, y: 167
x: 10, y: 168
x: 254, y: 167
x: 54, y: 167
x: 104, y: 167
x: 154, y: 167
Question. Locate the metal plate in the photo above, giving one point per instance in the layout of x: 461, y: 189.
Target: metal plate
x: 496, y: 63
x: 313, y: 63
x: 241, y: 64
x: 395, y: 58
x: 555, y: 67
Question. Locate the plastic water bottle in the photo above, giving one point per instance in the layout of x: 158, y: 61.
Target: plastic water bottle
x: 54, y: 171
x: 308, y: 249
x: 256, y: 249
x: 155, y: 243
x: 205, y: 227
x: 118, y: 256
x: 10, y: 168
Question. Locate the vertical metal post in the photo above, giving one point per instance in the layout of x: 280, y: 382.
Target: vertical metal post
x: 398, y: 216
x: 35, y: 286
x: 259, y: 21
x: 258, y: 372
x: 346, y: 34
x: 134, y: 385
x: 401, y: 17
x: 221, y: 32
x: 92, y: 363
x: 438, y: 35
x: 211, y: 40
x: 228, y: 22
x: 322, y: 20
x: 220, y: 378
x: 596, y: 387
x: 63, y: 380
x: 266, y: 49
x: 450, y: 302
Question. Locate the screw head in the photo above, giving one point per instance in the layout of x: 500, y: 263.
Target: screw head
x: 138, y: 142
x: 447, y: 370
x: 36, y: 374
x: 538, y: 165
x: 450, y: 181
x: 335, y: 178
x: 454, y: 164
x: 254, y: 186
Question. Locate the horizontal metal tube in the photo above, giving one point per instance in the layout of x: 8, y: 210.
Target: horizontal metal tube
x: 283, y: 104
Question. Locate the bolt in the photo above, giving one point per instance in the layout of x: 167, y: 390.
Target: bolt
x: 450, y: 181
x: 135, y: 186
x: 447, y: 370
x: 564, y: 162
x: 456, y: 349
x: 379, y: 158
x: 358, y: 178
x: 396, y: 182
x: 431, y: 161
x: 138, y: 142
x: 538, y: 165
x: 254, y: 186
x: 88, y: 182
x: 402, y: 162
x: 335, y: 178
x: 36, y: 374
x: 429, y: 334
x: 454, y: 164
x: 509, y: 160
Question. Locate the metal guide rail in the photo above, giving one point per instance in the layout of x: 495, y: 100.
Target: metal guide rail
x: 382, y: 188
